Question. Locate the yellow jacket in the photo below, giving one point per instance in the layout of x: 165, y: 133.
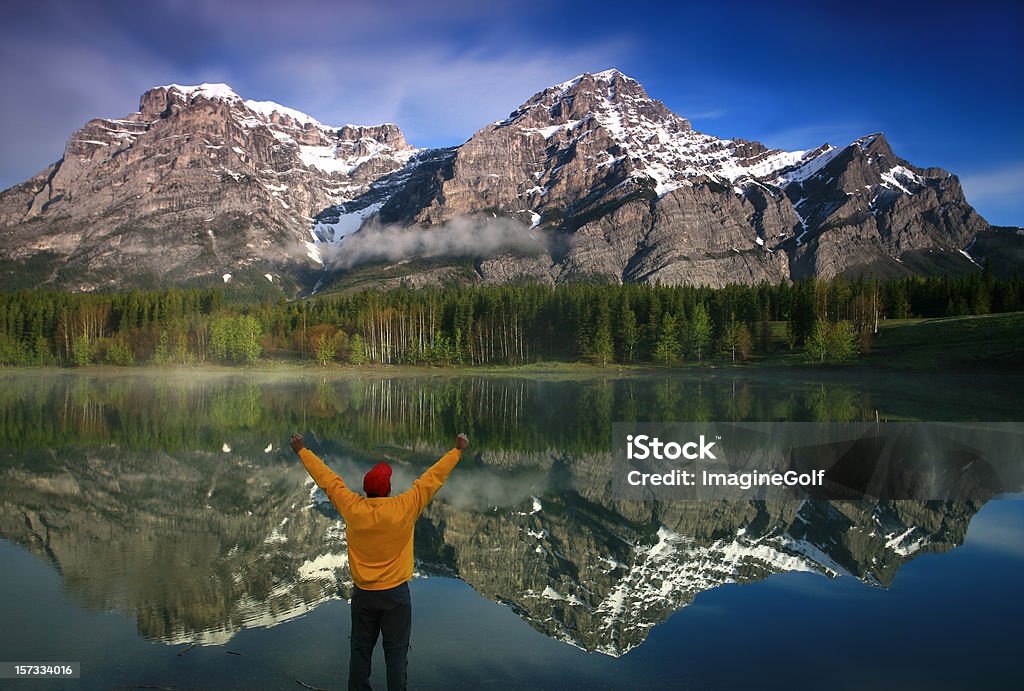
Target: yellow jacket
x: 380, y: 529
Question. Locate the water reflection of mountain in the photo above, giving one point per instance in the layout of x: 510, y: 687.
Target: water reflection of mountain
x: 167, y: 496
x: 192, y: 545
x: 199, y: 545
x: 599, y: 573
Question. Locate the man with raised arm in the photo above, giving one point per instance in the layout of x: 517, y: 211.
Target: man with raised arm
x: 379, y: 528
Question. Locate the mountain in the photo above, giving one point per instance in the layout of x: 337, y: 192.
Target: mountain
x: 587, y: 179
x: 638, y: 195
x: 196, y: 183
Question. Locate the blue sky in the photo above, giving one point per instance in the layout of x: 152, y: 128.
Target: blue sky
x: 943, y: 80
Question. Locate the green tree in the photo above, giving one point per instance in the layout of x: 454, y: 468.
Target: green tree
x: 601, y: 345
x: 118, y: 353
x: 82, y: 354
x: 41, y: 354
x: 899, y: 300
x: 357, y: 350
x: 667, y: 349
x: 764, y: 333
x: 736, y: 341
x: 700, y: 332
x: 324, y: 348
x: 162, y: 355
x: 629, y: 332
x: 12, y: 351
x: 816, y: 343
x: 842, y: 341
x: 831, y: 342
x: 803, y: 310
x: 181, y: 352
x: 248, y: 336
x: 236, y: 339
x: 220, y: 338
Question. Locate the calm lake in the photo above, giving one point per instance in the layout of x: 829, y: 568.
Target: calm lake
x: 156, y: 527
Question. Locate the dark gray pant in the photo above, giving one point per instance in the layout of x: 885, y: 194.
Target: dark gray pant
x: 376, y: 612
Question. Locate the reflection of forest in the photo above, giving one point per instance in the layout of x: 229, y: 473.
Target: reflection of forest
x: 189, y: 411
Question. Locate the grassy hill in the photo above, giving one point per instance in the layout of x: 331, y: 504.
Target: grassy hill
x: 951, y: 342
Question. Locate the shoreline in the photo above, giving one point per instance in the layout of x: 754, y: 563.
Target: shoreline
x: 542, y: 370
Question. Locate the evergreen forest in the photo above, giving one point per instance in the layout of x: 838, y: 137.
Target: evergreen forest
x: 823, y: 321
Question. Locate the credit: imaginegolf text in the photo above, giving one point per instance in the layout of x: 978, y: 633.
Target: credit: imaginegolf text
x: 643, y: 447
x: 712, y: 461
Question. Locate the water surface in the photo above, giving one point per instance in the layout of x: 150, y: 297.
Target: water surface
x: 146, y: 512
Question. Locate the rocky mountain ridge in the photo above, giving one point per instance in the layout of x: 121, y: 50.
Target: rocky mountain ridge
x: 197, y: 182
x: 605, y: 181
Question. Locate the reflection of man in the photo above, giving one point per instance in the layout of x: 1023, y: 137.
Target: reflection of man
x: 379, y: 528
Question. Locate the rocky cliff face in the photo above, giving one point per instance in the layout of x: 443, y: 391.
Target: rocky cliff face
x: 633, y: 193
x: 196, y: 183
x: 608, y: 181
x: 866, y: 204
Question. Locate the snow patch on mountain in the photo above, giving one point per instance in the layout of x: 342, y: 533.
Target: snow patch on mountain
x: 221, y: 92
x: 332, y: 230
x: 807, y: 168
x: 268, y: 108
x: 331, y: 159
x: 323, y: 567
x: 672, y: 571
x: 902, y: 179
x: 606, y: 76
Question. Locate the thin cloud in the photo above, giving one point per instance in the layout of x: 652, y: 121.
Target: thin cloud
x: 1005, y: 183
x: 436, y: 98
x: 353, y: 22
x: 712, y: 114
x: 361, y: 62
x: 53, y: 87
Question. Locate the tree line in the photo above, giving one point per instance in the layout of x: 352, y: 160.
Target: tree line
x: 826, y: 320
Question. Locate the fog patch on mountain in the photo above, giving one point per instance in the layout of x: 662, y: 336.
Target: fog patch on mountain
x: 470, y: 237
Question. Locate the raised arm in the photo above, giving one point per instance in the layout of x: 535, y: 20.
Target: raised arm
x: 424, y: 489
x: 340, y: 495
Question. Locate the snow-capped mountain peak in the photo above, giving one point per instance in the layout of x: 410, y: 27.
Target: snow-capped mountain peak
x: 270, y: 109
x: 221, y: 92
x: 646, y: 137
x: 606, y: 81
x: 333, y: 150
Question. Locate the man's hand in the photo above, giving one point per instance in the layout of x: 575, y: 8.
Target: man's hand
x: 297, y: 443
x: 461, y: 441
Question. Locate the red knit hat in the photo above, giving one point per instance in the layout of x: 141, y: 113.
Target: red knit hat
x: 378, y: 481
